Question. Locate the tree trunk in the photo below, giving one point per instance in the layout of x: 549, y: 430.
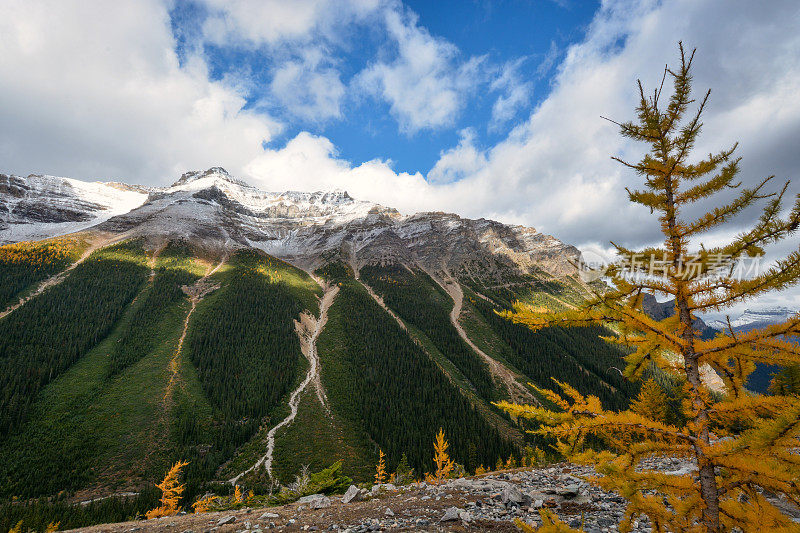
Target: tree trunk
x: 708, y: 482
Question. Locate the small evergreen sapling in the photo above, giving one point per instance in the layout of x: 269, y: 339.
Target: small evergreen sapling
x: 651, y: 402
x: 404, y: 473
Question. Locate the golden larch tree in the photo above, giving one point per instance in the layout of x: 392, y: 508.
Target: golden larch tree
x: 380, y: 469
x: 550, y: 524
x: 204, y: 505
x: 743, y: 446
x: 441, y: 460
x: 171, y: 492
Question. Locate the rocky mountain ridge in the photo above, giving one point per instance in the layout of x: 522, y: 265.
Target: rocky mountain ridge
x: 219, y: 211
x: 37, y: 207
x: 661, y: 310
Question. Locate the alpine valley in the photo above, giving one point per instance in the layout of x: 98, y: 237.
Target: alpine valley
x: 259, y: 335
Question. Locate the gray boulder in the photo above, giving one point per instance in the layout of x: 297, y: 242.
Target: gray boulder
x: 353, y: 494
x: 310, y: 498
x: 451, y: 514
x: 570, y: 491
x: 512, y: 494
x: 320, y: 503
x: 383, y: 487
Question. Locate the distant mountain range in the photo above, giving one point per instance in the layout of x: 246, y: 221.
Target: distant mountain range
x: 755, y: 318
x: 255, y: 333
x: 752, y: 319
x: 661, y: 310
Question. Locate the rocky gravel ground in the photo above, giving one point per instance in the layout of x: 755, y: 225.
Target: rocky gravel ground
x: 483, y: 503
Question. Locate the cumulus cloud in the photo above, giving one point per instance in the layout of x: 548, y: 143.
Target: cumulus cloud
x: 295, y: 41
x: 311, y: 162
x: 458, y: 162
x: 309, y: 88
x: 515, y: 92
x: 554, y: 170
x: 421, y: 77
x: 424, y: 84
x: 561, y: 154
x: 259, y: 22
x: 94, y: 90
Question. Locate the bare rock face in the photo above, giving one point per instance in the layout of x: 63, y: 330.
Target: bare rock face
x: 37, y: 207
x: 308, y: 229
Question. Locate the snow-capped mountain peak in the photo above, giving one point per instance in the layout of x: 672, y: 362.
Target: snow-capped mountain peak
x: 753, y: 318
x: 212, y: 208
x: 36, y: 206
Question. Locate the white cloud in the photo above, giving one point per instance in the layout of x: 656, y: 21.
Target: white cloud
x: 420, y: 76
x: 554, y: 170
x: 95, y: 90
x: 295, y: 40
x: 258, y: 22
x: 459, y: 162
x: 548, y: 60
x: 516, y: 93
x: 310, y: 162
x: 273, y: 23
x: 309, y: 88
x: 424, y: 84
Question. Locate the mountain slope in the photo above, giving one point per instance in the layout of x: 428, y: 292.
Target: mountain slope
x: 187, y: 321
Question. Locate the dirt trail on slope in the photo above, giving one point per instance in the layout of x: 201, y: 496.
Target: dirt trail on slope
x: 61, y: 276
x: 516, y: 390
x: 196, y: 292
x: 375, y: 296
x: 471, y: 396
x: 309, y: 345
x: 306, y: 328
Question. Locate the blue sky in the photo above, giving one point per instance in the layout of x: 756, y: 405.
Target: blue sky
x: 525, y: 37
x: 481, y: 108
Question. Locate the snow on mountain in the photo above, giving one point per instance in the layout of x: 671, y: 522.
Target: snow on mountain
x: 37, y: 207
x: 754, y: 318
x: 217, y: 210
x: 289, y: 204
